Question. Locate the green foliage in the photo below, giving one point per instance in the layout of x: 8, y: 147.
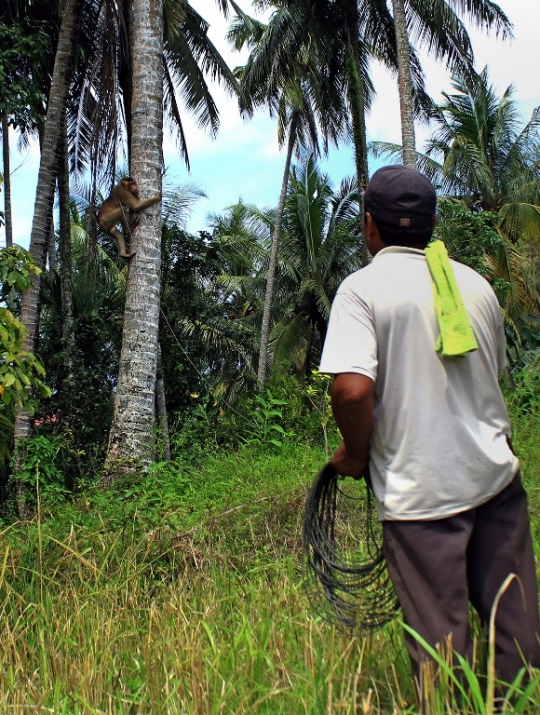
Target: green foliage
x: 461, y: 688
x: 263, y: 422
x: 41, y: 471
x: 16, y: 270
x: 141, y: 502
x: 82, y: 366
x: 468, y: 235
x: 474, y: 238
x: 487, y: 155
x: 23, y: 45
x: 306, y: 410
x: 20, y: 370
x: 525, y: 395
x: 318, y: 394
x: 193, y: 433
x: 320, y: 246
x: 204, y: 341
x: 80, y: 408
x: 289, y: 408
x: 7, y: 418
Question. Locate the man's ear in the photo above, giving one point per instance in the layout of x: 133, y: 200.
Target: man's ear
x: 435, y: 219
x: 369, y: 224
x: 372, y: 237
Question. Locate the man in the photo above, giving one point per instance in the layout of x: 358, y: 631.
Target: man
x: 433, y: 431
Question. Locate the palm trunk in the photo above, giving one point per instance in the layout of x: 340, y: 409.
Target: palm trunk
x: 404, y: 85
x: 131, y: 439
x: 162, y: 420
x: 358, y: 118
x: 66, y: 269
x: 7, y: 180
x: 51, y: 245
x: 272, y: 265
x: 63, y: 65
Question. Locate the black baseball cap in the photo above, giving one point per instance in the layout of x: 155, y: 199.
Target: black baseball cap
x: 401, y: 199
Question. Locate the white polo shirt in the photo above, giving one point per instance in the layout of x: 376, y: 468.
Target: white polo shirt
x: 439, y: 444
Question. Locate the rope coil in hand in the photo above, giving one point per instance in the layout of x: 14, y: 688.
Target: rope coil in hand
x: 346, y: 575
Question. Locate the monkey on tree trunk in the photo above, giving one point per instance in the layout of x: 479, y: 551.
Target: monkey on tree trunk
x: 124, y: 196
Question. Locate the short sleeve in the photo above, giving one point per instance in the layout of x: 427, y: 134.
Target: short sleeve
x: 351, y: 344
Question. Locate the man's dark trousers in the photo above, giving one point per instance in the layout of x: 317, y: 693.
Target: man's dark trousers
x: 439, y: 566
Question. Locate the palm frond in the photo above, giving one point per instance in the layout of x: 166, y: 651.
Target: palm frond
x: 520, y: 221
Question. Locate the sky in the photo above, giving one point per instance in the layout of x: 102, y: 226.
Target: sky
x: 245, y: 162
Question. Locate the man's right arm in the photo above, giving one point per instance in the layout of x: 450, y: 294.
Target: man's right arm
x: 352, y: 405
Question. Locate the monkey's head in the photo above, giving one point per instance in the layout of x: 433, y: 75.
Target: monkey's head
x: 131, y: 185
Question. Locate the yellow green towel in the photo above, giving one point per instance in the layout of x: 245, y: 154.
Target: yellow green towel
x: 456, y: 334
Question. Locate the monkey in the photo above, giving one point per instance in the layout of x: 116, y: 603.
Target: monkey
x: 124, y: 196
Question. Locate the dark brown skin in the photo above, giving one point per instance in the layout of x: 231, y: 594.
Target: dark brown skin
x: 124, y: 197
x: 352, y: 405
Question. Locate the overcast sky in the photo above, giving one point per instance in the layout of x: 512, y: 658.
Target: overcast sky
x: 244, y: 161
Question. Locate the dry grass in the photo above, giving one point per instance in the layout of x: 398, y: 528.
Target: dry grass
x: 212, y: 619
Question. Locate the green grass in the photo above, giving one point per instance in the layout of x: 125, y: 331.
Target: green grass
x: 183, y: 594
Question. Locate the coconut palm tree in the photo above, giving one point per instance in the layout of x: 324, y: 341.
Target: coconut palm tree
x: 491, y: 159
x: 302, y: 99
x: 403, y: 52
x: 100, y: 116
x: 82, y: 386
x: 26, y: 54
x: 131, y: 439
x: 438, y: 26
x: 481, y: 149
x: 341, y: 36
x: 56, y: 108
x: 212, y: 304
x: 320, y: 248
x: 82, y: 363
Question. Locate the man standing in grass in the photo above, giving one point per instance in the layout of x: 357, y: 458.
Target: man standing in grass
x: 416, y: 344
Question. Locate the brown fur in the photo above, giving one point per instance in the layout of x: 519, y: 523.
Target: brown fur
x: 124, y: 196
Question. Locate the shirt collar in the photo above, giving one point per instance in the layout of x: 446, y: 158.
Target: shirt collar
x: 400, y: 249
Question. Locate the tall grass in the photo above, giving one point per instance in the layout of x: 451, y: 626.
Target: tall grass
x: 207, y: 643
x: 186, y: 597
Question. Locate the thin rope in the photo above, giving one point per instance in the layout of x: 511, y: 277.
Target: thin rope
x: 345, y: 567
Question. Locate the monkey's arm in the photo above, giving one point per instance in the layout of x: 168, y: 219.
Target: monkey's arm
x: 137, y: 205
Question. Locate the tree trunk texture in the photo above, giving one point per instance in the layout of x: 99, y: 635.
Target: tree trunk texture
x: 7, y: 180
x: 131, y: 439
x: 48, y: 167
x: 358, y: 119
x: 66, y: 267
x: 162, y: 420
x: 272, y: 265
x: 358, y: 116
x: 404, y: 85
x: 51, y: 246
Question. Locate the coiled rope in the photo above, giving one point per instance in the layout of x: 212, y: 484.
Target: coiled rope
x: 345, y: 568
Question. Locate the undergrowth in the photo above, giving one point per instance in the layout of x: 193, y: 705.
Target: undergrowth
x: 182, y: 592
